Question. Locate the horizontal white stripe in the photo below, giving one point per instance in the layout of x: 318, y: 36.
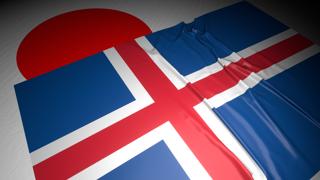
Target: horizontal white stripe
x: 227, y: 138
x: 234, y: 57
x: 165, y: 132
x: 235, y: 91
x: 254, y: 78
x: 213, y: 68
x: 266, y: 43
x: 172, y: 74
x: 180, y: 81
x: 289, y: 62
x: 142, y: 99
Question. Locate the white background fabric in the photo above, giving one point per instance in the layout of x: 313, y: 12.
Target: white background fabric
x: 18, y: 18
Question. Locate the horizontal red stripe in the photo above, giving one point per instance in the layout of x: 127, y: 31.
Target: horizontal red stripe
x: 85, y: 153
x: 170, y: 104
x: 204, y: 144
x: 233, y: 73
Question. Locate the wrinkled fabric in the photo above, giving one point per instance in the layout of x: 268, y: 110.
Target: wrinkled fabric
x: 268, y: 104
x: 277, y: 120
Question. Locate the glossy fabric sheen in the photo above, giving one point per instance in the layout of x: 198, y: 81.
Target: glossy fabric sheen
x: 190, y: 47
x: 278, y: 121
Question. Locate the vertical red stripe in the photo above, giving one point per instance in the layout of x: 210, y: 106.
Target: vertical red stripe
x: 173, y: 105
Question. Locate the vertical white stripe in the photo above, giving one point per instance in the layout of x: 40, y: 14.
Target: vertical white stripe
x: 131, y: 81
x: 172, y: 74
x: 165, y: 132
x: 180, y: 81
x: 227, y: 138
x: 142, y: 99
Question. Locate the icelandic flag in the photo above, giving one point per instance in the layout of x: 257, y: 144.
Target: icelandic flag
x: 232, y: 95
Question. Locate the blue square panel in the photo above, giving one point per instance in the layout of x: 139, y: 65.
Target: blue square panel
x: 157, y: 162
x: 59, y: 102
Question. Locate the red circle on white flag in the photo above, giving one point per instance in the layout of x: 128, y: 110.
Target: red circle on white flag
x: 72, y: 36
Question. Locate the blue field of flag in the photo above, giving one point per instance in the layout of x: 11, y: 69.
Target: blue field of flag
x: 190, y: 47
x: 272, y: 111
x: 278, y: 122
x: 157, y: 162
x: 69, y: 98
